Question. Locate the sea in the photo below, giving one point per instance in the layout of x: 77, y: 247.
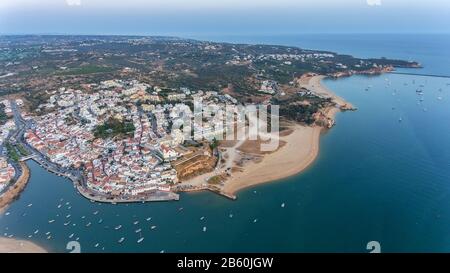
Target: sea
x: 383, y: 175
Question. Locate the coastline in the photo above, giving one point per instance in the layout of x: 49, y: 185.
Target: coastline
x: 15, y: 190
x: 19, y: 246
x: 300, y: 151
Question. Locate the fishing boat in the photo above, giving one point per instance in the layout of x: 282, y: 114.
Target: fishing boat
x: 138, y: 230
x: 121, y: 240
x: 140, y: 240
x: 152, y: 227
x: 118, y: 227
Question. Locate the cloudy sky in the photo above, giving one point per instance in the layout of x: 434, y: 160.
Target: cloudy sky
x: 188, y: 17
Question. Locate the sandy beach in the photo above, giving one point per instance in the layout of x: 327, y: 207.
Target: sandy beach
x: 299, y: 152
x: 19, y: 246
x: 16, y: 189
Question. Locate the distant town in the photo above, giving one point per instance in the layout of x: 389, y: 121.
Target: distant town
x: 109, y: 112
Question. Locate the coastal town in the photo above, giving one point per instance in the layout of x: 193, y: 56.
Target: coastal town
x: 131, y: 132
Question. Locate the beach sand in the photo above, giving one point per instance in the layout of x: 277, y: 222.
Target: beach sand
x: 19, y: 246
x: 300, y: 150
x: 298, y: 153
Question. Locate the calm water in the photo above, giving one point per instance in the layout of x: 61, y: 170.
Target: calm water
x: 375, y: 179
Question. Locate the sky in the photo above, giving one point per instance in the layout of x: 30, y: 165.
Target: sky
x: 230, y: 17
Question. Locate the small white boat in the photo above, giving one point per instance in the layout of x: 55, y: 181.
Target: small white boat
x: 59, y: 206
x: 96, y: 245
x: 118, y: 227
x: 140, y: 240
x: 148, y: 219
x: 71, y: 235
x: 88, y: 224
x: 47, y: 233
x: 256, y: 220
x: 230, y: 215
x: 121, y: 240
x: 202, y: 218
x: 51, y: 221
x: 67, y: 223
x: 152, y: 227
x: 82, y: 217
x: 100, y: 221
x: 138, y: 230
x: 49, y: 237
x: 68, y: 216
x: 162, y: 251
x: 30, y: 236
x: 29, y: 205
x: 283, y: 205
x: 135, y: 222
x: 67, y: 203
x: 204, y: 229
x: 36, y: 231
x: 95, y: 212
x: 7, y: 213
x: 69, y: 207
